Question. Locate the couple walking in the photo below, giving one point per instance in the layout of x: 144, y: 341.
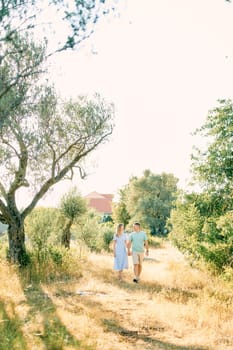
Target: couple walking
x: 122, y: 244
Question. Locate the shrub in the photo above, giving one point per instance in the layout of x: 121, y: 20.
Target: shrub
x: 88, y: 230
x: 208, y: 239
x: 216, y: 255
x: 106, y: 236
x: 60, y: 264
x: 43, y: 227
x: 186, y: 232
x: 96, y: 235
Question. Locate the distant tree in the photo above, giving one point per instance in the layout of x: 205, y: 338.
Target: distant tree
x: 40, y: 154
x: 120, y: 213
x: 72, y: 206
x: 150, y: 199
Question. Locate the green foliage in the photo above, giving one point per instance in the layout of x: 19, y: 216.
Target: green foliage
x: 59, y: 264
x: 76, y: 18
x: 202, y: 223
x: 88, y: 230
x: 206, y: 239
x: 120, y: 212
x: 59, y: 137
x: 72, y: 206
x: 217, y: 256
x: 43, y: 228
x: 187, y: 224
x: 225, y: 225
x: 107, y: 233
x: 213, y: 167
x: 107, y: 218
x: 18, y: 68
x: 48, y: 260
x: 222, y: 252
x: 211, y: 203
x: 96, y: 235
x: 150, y: 199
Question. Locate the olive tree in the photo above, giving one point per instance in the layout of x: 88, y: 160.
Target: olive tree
x: 72, y: 206
x: 44, y: 142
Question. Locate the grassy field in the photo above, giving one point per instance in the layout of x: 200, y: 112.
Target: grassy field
x: 174, y: 307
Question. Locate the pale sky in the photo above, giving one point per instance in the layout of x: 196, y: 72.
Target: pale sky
x: 163, y: 64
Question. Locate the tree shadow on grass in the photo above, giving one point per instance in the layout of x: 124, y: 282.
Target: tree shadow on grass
x: 11, y: 335
x: 54, y: 333
x: 135, y: 336
x: 108, y: 319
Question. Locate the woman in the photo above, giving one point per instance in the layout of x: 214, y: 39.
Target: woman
x: 120, y: 243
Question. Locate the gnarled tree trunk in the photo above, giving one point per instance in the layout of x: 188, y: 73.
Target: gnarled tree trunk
x: 66, y: 234
x: 17, y: 250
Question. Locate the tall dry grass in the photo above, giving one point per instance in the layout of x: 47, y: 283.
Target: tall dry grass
x: 174, y: 307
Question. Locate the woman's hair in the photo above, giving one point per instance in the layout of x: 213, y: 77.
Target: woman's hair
x: 119, y: 226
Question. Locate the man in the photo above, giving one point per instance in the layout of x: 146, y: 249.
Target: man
x: 139, y: 242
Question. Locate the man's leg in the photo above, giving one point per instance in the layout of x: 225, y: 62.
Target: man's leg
x: 136, y: 270
x: 139, y: 269
x: 136, y: 262
x: 140, y: 256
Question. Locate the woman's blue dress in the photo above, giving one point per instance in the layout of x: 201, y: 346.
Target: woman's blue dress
x: 121, y: 258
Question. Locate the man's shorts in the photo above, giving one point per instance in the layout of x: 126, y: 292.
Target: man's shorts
x: 137, y: 258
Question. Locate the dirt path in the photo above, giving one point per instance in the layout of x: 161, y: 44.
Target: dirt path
x: 171, y: 308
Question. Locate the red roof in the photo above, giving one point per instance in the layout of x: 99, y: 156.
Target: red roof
x: 100, y: 202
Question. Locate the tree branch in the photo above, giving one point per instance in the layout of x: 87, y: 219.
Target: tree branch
x: 68, y: 149
x: 49, y: 183
x: 53, y: 180
x: 20, y: 174
x: 12, y: 147
x: 82, y: 172
x: 53, y: 160
x: 16, y: 79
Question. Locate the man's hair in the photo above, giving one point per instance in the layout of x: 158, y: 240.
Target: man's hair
x: 137, y: 224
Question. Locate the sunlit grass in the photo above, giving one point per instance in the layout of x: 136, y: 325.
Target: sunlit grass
x: 174, y: 307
